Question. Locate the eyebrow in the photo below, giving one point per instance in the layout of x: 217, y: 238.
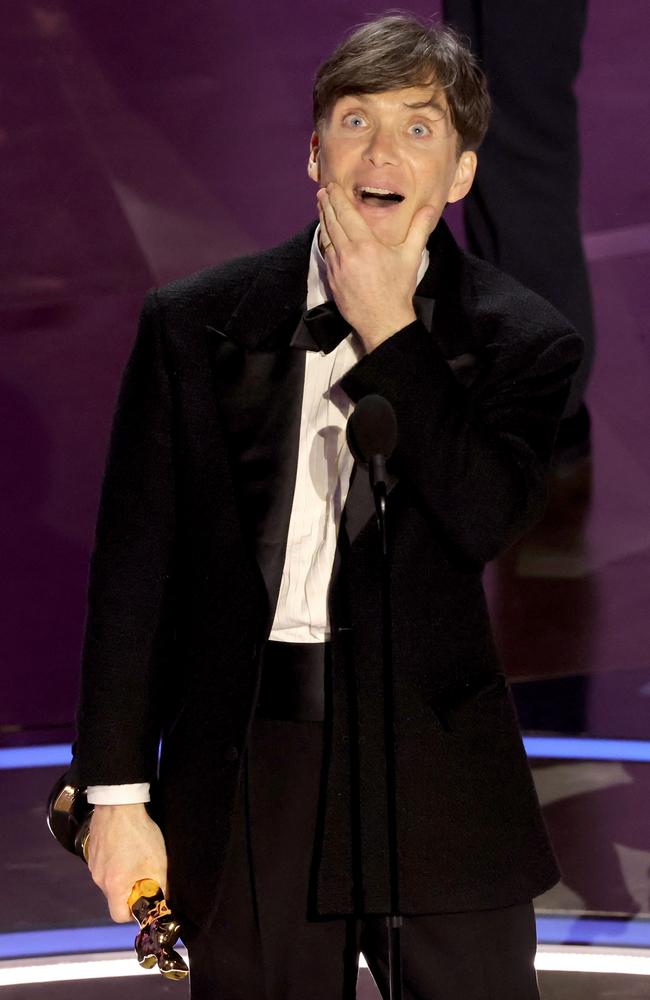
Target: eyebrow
x: 427, y: 104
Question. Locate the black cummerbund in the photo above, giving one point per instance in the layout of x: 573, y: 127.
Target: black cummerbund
x: 293, y: 681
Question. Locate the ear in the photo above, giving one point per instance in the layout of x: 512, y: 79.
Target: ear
x: 463, y: 177
x: 313, y: 165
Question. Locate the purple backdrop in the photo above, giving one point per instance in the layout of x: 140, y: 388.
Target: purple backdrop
x: 140, y: 142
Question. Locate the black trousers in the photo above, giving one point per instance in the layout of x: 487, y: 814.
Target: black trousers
x: 265, y: 944
x: 522, y: 213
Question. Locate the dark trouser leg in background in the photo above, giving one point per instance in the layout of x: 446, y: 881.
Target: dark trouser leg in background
x: 485, y: 955
x: 522, y: 212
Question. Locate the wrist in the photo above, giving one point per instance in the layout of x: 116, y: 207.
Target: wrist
x: 124, y: 808
x: 372, y: 337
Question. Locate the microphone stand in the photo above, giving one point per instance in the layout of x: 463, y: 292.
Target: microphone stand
x: 377, y: 468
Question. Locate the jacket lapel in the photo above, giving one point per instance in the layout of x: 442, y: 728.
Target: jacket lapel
x: 259, y: 384
x: 360, y: 503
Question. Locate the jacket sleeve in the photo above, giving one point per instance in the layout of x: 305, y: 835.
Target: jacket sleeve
x: 477, y: 457
x: 128, y: 621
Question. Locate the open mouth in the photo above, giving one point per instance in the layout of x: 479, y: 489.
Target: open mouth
x: 378, y: 197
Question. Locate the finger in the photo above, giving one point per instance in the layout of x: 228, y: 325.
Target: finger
x: 326, y: 242
x: 328, y: 250
x: 118, y: 908
x: 346, y: 213
x: 120, y: 913
x: 337, y: 233
x: 422, y: 225
x: 90, y: 853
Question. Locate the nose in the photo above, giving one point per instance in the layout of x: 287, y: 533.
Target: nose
x: 381, y: 149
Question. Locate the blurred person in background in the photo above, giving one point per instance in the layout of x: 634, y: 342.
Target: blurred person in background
x: 522, y: 213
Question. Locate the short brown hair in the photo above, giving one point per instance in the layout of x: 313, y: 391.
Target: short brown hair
x: 398, y: 51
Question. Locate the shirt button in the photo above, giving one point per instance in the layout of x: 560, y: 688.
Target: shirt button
x: 231, y: 754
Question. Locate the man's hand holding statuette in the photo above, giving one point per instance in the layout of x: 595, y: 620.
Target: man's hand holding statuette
x: 124, y: 845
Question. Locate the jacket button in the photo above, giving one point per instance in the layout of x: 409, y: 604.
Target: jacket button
x: 231, y: 754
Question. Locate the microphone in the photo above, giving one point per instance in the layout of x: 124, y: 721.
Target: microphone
x: 372, y: 435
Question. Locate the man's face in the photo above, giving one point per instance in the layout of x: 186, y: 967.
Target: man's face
x: 398, y: 141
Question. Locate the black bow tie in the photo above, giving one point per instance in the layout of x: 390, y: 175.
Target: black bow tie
x: 323, y: 328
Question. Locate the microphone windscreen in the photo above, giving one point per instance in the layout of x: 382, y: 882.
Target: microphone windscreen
x: 372, y: 429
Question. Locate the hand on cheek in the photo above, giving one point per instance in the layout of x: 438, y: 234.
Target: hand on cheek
x: 373, y: 284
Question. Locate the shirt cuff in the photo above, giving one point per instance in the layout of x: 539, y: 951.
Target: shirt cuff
x: 118, y: 795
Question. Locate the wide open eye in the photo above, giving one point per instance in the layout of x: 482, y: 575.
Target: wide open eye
x: 354, y: 120
x: 421, y: 128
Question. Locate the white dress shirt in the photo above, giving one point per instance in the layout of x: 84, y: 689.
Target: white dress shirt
x: 322, y: 481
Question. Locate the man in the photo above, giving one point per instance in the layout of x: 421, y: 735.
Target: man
x: 234, y: 601
x: 529, y: 180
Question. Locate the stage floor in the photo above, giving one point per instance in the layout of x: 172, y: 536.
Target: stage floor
x: 553, y: 986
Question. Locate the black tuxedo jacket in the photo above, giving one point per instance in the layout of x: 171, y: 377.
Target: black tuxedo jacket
x: 189, y: 547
